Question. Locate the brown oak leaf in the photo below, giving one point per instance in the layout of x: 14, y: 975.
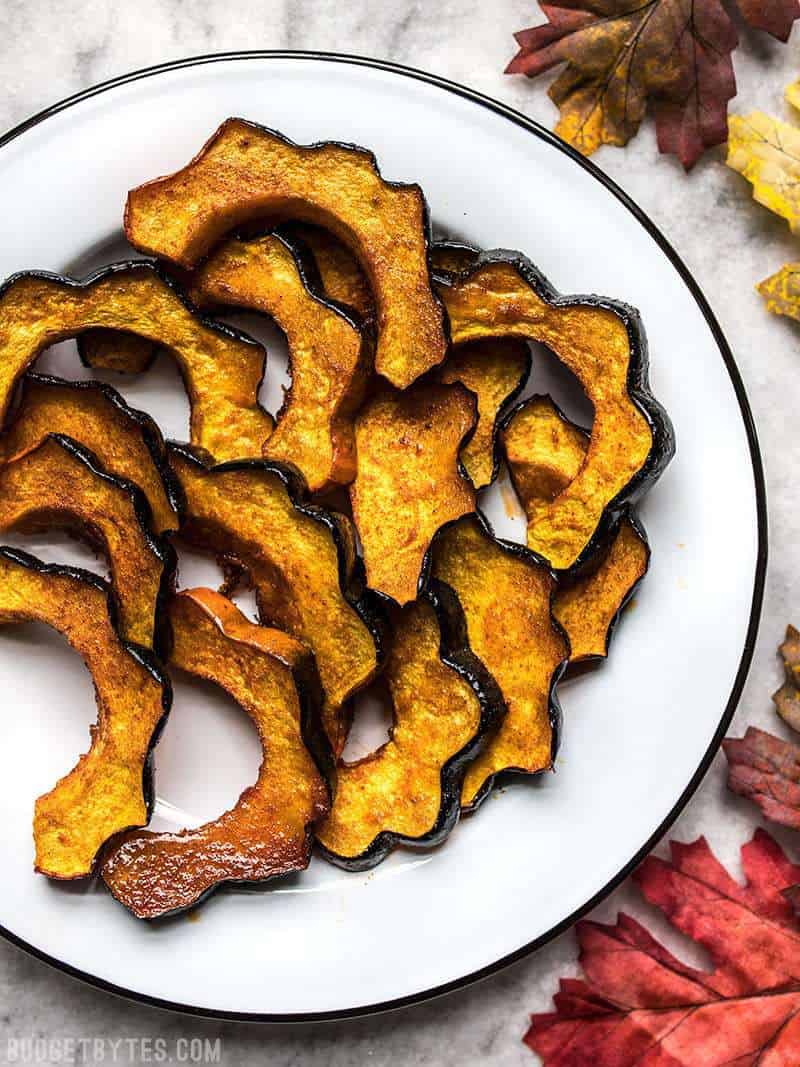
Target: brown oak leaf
x: 640, y: 1006
x: 621, y: 55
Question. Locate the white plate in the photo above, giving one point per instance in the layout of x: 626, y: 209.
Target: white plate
x: 638, y: 734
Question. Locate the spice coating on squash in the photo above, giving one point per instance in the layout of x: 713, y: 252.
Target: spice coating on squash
x: 340, y: 275
x: 300, y: 559
x: 221, y: 369
x: 495, y: 371
x: 505, y: 593
x: 127, y: 442
x: 109, y: 788
x: 329, y: 359
x: 602, y: 343
x: 408, y: 482
x: 57, y: 484
x: 407, y: 791
x: 246, y: 171
x: 545, y: 452
x: 268, y: 831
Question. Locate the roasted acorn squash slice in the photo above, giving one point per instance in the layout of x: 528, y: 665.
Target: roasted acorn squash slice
x: 110, y: 787
x: 301, y: 560
x: 329, y: 358
x: 125, y: 353
x: 127, y: 442
x: 602, y: 343
x: 339, y: 275
x: 222, y: 369
x: 505, y: 592
x: 59, y: 484
x: 446, y: 707
x: 246, y: 171
x: 495, y: 371
x: 268, y: 832
x: 545, y: 451
x: 408, y: 482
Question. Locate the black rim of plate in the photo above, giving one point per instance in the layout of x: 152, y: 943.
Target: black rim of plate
x: 761, y: 509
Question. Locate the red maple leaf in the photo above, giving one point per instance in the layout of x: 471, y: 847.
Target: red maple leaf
x: 640, y: 1006
x: 622, y: 54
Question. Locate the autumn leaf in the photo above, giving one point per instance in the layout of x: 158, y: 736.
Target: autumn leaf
x: 640, y: 1006
x: 787, y: 698
x: 766, y: 770
x: 766, y: 151
x: 622, y: 55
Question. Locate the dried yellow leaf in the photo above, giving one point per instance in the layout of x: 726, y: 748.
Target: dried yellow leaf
x: 766, y: 151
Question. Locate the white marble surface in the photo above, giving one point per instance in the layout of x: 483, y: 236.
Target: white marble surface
x: 49, y: 50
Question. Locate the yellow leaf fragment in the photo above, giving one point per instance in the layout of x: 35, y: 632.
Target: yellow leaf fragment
x: 766, y: 151
x: 781, y: 291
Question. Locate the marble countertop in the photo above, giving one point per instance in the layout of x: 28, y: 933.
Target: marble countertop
x: 49, y: 50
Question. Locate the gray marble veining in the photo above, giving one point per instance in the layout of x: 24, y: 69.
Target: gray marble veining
x: 50, y: 49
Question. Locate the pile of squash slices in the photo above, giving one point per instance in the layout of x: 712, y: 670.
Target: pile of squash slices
x: 352, y: 513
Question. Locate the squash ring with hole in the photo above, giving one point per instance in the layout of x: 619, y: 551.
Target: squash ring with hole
x: 221, y: 368
x: 126, y: 441
x: 409, y: 483
x: 59, y: 484
x: 268, y: 832
x: 110, y: 788
x: 545, y: 451
x: 246, y: 172
x: 505, y: 592
x: 329, y: 357
x: 301, y: 560
x: 602, y: 342
x: 446, y: 708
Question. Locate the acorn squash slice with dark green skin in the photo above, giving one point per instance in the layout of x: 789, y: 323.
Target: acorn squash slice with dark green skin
x: 60, y: 485
x: 127, y: 442
x: 602, y: 342
x: 409, y: 481
x: 505, y: 593
x: 110, y: 788
x: 300, y: 559
x: 330, y: 359
x: 545, y: 451
x: 269, y: 831
x: 247, y: 172
x: 446, y: 708
x: 222, y: 369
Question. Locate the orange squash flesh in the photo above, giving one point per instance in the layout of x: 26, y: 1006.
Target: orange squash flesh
x: 58, y: 484
x: 495, y: 371
x: 267, y: 833
x: 329, y: 359
x: 245, y: 172
x: 408, y: 482
x: 505, y: 593
x: 116, y: 350
x: 545, y: 452
x: 127, y: 442
x: 399, y: 794
x: 109, y: 789
x: 340, y: 275
x: 300, y: 559
x: 600, y: 343
x: 222, y: 370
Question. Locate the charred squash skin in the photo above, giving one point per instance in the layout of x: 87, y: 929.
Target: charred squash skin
x: 110, y: 789
x: 246, y: 171
x: 330, y: 358
x: 301, y: 560
x: 337, y: 274
x: 222, y: 369
x: 127, y: 442
x: 268, y: 832
x: 409, y: 482
x: 447, y: 708
x: 603, y: 343
x: 59, y: 484
x: 526, y: 653
x: 545, y: 451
